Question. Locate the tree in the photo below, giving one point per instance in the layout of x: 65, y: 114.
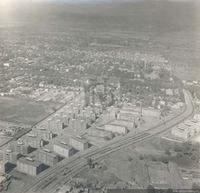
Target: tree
x: 150, y: 189
x: 141, y: 157
x: 164, y: 160
x: 195, y: 186
x: 90, y: 162
x: 167, y: 152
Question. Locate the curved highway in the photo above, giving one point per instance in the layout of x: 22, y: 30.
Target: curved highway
x: 62, y: 172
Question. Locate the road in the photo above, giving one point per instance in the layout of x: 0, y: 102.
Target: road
x: 62, y: 172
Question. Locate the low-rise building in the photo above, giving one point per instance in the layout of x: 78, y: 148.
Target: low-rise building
x: 29, y: 166
x: 63, y: 149
x: 47, y: 157
x: 78, y: 143
x: 126, y: 123
x: 183, y: 131
x: 100, y: 132
x: 197, y: 117
x: 116, y: 128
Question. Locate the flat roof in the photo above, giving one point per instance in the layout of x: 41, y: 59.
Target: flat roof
x: 80, y: 140
x: 31, y: 138
x: 64, y: 146
x: 123, y: 120
x: 47, y: 153
x: 34, y: 163
x: 113, y: 124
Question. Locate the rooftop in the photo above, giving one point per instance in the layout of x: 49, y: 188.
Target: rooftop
x: 34, y: 163
x: 80, y: 140
x: 46, y: 152
x: 63, y: 145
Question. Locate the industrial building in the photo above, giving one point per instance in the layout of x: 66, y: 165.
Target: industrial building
x: 79, y: 143
x: 63, y: 149
x: 41, y: 132
x: 47, y: 157
x: 20, y: 147
x: 4, y: 166
x: 126, y: 123
x: 116, y: 128
x: 29, y: 166
x: 100, y: 133
x: 11, y: 156
x: 33, y: 141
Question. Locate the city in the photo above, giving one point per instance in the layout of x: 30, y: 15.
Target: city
x: 99, y: 97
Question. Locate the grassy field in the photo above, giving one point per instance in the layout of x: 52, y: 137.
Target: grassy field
x: 25, y: 112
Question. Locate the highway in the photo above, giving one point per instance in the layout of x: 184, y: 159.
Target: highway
x: 59, y: 174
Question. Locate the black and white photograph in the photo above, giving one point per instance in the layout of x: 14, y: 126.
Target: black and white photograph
x: 99, y: 96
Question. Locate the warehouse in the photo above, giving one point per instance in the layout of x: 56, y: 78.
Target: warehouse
x: 47, y: 157
x: 35, y: 142
x: 11, y: 156
x: 20, y: 147
x: 116, y: 128
x: 79, y: 143
x: 29, y: 166
x: 63, y: 149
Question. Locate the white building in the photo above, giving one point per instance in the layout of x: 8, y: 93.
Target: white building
x: 116, y: 128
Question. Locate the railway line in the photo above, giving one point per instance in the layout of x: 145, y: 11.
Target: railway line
x: 66, y: 169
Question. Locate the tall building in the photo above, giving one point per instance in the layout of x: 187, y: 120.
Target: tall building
x: 63, y: 149
x: 11, y: 156
x: 33, y: 141
x: 29, y: 166
x: 20, y: 147
x: 47, y: 157
x: 78, y: 143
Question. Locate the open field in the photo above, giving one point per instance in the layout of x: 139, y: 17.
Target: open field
x: 25, y: 112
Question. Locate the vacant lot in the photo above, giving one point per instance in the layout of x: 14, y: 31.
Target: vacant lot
x: 23, y: 111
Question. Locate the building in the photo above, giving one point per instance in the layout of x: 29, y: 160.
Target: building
x: 29, y: 166
x: 197, y: 117
x: 126, y: 123
x: 116, y: 128
x: 11, y: 156
x: 169, y: 92
x: 33, y: 141
x: 183, y: 131
x: 4, y: 166
x: 138, y: 111
x: 42, y: 133
x: 47, y: 157
x: 20, y: 147
x: 79, y: 143
x: 63, y: 149
x: 65, y: 189
x: 100, y: 132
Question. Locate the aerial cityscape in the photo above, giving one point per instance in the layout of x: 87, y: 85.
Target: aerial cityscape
x: 99, y: 96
